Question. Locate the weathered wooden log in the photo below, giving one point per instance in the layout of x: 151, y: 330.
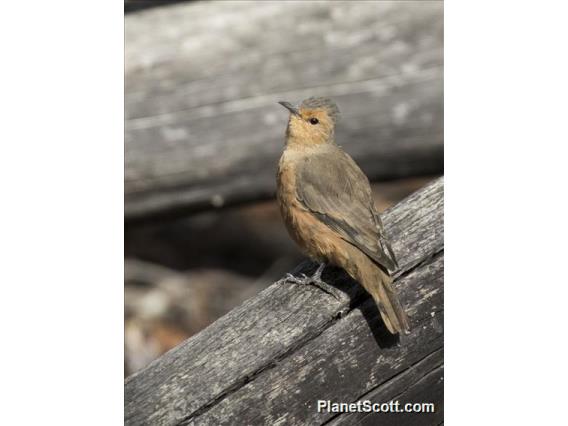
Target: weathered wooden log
x: 202, y: 124
x: 269, y: 360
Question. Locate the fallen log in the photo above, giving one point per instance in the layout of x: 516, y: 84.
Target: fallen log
x: 202, y: 80
x: 271, y: 359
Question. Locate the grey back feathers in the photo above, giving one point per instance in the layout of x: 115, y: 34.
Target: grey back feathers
x: 337, y: 192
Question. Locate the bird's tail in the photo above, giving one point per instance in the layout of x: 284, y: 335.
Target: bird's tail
x: 379, y: 284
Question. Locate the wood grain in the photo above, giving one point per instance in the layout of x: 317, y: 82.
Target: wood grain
x: 203, y: 128
x: 269, y: 360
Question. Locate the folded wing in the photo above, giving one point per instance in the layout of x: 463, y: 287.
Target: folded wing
x: 336, y: 191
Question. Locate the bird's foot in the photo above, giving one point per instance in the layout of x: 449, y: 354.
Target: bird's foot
x: 316, y: 281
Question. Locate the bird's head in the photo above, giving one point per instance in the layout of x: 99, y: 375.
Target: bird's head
x: 312, y: 122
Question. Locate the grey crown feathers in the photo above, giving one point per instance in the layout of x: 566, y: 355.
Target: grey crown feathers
x: 326, y: 103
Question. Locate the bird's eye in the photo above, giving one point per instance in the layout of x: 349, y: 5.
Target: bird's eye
x: 314, y: 120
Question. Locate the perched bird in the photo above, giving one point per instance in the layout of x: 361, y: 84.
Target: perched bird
x: 326, y: 203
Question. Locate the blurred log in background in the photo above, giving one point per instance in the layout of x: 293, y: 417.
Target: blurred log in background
x: 204, y: 134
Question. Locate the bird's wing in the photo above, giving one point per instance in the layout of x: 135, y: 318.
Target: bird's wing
x: 334, y: 189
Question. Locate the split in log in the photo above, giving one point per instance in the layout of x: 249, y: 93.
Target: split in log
x: 203, y: 128
x: 271, y: 359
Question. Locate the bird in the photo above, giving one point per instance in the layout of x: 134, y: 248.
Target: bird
x: 326, y: 203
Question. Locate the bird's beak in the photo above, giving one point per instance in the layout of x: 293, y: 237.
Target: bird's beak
x: 290, y: 107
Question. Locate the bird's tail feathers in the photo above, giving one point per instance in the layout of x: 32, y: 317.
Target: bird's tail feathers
x: 392, y: 312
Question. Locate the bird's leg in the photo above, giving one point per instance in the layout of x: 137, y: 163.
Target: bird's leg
x: 319, y: 271
x: 316, y: 281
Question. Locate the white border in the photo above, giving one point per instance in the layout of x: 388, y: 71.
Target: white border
x: 61, y: 214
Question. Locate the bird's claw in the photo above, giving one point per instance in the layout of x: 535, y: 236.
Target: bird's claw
x: 316, y: 281
x: 326, y: 288
x: 296, y: 280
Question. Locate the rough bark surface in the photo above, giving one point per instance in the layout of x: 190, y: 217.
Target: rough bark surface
x: 203, y: 79
x: 269, y: 360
